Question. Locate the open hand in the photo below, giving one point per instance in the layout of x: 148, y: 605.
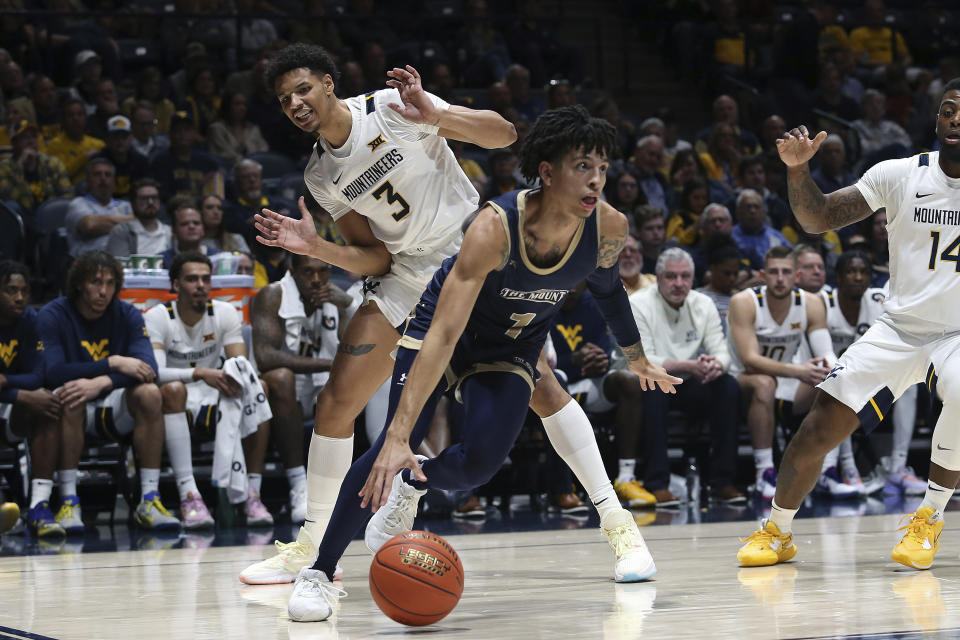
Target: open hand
x: 417, y: 106
x: 796, y: 147
x: 277, y: 230
x: 394, y: 456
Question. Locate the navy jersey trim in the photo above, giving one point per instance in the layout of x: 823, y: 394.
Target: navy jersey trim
x: 506, y: 228
x: 758, y: 292
x: 797, y: 297
x: 370, y: 102
x: 571, y: 248
x: 923, y: 160
x: 169, y: 307
x: 210, y: 308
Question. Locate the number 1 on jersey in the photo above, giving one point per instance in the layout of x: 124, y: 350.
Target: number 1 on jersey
x: 950, y: 254
x: 520, y: 320
x: 392, y: 198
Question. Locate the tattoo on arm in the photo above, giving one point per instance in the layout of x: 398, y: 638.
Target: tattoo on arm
x: 268, y: 337
x: 355, y: 349
x: 610, y: 248
x: 836, y: 210
x: 634, y: 352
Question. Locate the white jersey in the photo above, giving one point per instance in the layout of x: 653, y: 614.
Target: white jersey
x: 842, y: 333
x: 923, y: 227
x: 777, y: 341
x: 398, y: 174
x: 200, y: 345
x: 313, y: 336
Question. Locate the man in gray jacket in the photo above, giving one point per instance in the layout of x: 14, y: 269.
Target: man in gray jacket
x: 144, y: 235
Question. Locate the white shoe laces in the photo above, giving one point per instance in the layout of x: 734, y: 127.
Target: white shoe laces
x: 318, y: 587
x: 290, y: 548
x: 405, y: 502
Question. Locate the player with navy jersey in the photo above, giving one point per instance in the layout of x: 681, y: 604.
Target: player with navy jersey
x: 26, y: 408
x: 97, y: 356
x: 915, y: 340
x: 484, y: 319
x: 399, y: 199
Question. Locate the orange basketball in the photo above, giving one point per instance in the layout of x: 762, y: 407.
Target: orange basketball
x: 416, y: 578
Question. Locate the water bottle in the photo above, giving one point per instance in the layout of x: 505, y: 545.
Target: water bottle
x: 693, y: 480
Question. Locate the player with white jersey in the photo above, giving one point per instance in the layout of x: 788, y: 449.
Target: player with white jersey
x: 767, y: 324
x: 399, y: 199
x: 191, y: 336
x: 915, y: 340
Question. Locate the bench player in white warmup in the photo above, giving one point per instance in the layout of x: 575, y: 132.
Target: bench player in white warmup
x: 916, y: 339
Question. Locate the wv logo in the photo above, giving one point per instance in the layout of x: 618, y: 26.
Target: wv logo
x: 8, y: 352
x: 571, y: 335
x: 97, y: 350
x: 833, y: 372
x: 376, y: 142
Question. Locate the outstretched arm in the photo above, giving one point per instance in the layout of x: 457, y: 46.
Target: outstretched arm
x: 485, y: 128
x: 485, y: 248
x: 815, y: 211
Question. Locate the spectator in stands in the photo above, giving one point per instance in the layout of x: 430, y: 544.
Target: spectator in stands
x: 499, y: 98
x: 828, y: 244
x: 182, y: 171
x: 373, y: 60
x: 190, y: 337
x: 875, y: 44
x: 880, y: 138
x: 215, y: 234
x: 178, y: 85
x: 684, y: 334
x: 249, y: 200
x: 91, y: 217
x: 313, y: 26
x: 682, y: 225
x: 97, y: 354
x: 518, y: 80
x: 623, y: 193
x: 647, y: 161
x: 631, y: 262
x: 87, y: 71
x: 43, y: 95
x: 727, y: 111
x: 143, y: 124
x: 751, y: 233
x: 811, y: 269
x: 931, y: 36
x: 833, y: 174
x: 607, y: 108
x: 470, y: 167
x: 651, y: 234
x: 255, y: 32
x: 482, y: 47
x: 187, y: 230
x: 720, y: 281
x: 73, y: 146
x: 149, y: 89
x: 108, y: 105
x: 672, y: 143
x: 584, y: 353
x: 130, y: 164
x: 722, y: 157
x: 202, y: 102
x: 233, y: 136
x: 715, y: 224
x: 30, y: 411
x: 29, y: 177
x: 830, y: 99
x: 504, y: 174
x: 144, y: 235
x: 753, y: 175
x: 685, y: 166
x: 440, y: 84
x: 560, y: 94
x: 297, y: 324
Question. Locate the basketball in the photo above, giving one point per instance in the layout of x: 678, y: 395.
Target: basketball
x: 416, y: 578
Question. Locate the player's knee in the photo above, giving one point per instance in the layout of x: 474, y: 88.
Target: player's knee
x: 146, y: 398
x: 280, y: 383
x: 548, y: 396
x: 174, y: 396
x: 764, y: 389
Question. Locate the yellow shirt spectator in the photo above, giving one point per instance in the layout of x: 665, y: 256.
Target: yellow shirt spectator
x: 877, y: 44
x: 74, y: 153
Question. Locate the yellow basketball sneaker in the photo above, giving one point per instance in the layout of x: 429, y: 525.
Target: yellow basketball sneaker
x: 9, y: 514
x: 921, y: 540
x: 633, y: 495
x: 766, y: 546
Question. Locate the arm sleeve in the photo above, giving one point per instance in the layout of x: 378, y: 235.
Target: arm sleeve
x: 57, y: 369
x: 29, y: 365
x: 822, y: 346
x: 714, y: 342
x: 611, y: 297
x: 167, y: 374
x: 76, y: 212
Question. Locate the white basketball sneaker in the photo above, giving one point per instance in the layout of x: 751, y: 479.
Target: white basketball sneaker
x: 283, y: 568
x: 634, y: 562
x: 830, y: 484
x: 314, y: 597
x: 396, y: 516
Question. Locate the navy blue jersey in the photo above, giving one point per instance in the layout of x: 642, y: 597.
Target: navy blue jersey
x: 73, y: 347
x: 19, y: 363
x: 573, y: 328
x: 516, y: 305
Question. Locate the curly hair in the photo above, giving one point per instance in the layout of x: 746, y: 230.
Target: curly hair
x: 10, y: 268
x: 301, y: 56
x: 86, y: 267
x: 559, y: 131
x: 847, y: 257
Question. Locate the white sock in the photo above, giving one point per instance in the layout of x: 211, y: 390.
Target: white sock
x: 762, y: 460
x: 254, y: 481
x: 297, y: 477
x: 904, y: 419
x: 830, y: 460
x: 627, y: 469
x: 186, y: 486
x: 149, y: 481
x: 67, y: 482
x: 328, y: 461
x: 898, y: 460
x: 571, y: 435
x: 847, y: 462
x: 40, y: 490
x: 936, y: 498
x: 782, y: 517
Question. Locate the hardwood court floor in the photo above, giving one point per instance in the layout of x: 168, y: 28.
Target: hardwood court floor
x: 546, y: 584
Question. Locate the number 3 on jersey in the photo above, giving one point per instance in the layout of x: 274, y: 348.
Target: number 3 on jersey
x: 950, y: 254
x: 392, y: 198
